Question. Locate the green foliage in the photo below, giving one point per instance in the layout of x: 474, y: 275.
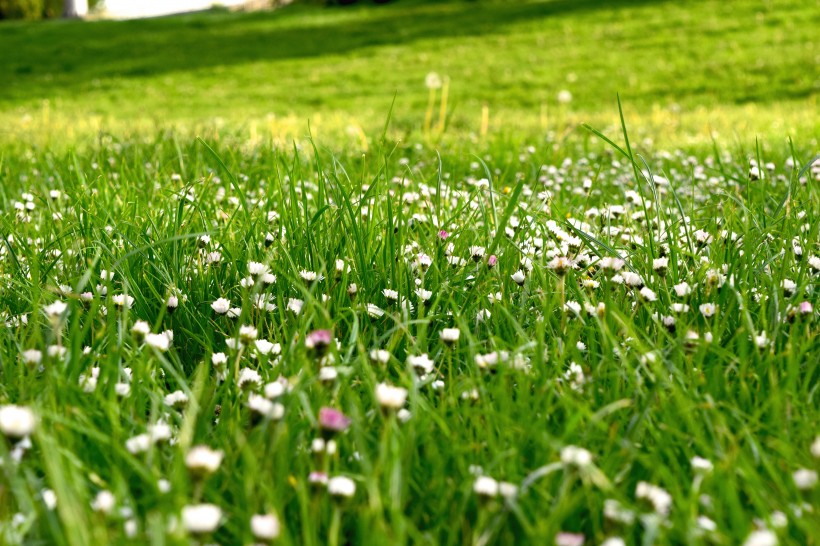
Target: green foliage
x: 22, y: 9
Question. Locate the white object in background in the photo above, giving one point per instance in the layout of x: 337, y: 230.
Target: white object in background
x: 75, y: 8
x: 135, y: 9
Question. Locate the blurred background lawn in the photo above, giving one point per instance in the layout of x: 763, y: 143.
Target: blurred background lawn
x: 686, y: 71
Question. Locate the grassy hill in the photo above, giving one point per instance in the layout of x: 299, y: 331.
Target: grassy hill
x: 684, y: 69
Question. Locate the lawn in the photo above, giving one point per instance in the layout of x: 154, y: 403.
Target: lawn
x: 685, y: 70
x: 408, y: 328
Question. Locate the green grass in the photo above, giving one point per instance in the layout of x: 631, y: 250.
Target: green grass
x: 105, y: 194
x: 752, y: 411
x: 686, y: 69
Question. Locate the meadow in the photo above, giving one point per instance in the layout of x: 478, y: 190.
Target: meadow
x: 267, y: 287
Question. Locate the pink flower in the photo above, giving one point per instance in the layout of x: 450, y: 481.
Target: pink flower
x: 319, y: 341
x: 333, y: 420
x: 491, y: 261
x: 443, y: 234
x: 569, y: 539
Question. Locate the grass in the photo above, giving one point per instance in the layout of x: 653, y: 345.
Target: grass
x: 637, y: 358
x: 644, y: 399
x: 688, y: 71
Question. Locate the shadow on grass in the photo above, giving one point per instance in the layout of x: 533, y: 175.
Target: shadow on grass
x: 37, y: 58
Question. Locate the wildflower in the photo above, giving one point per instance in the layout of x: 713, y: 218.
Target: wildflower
x: 485, y: 486
x: 341, y: 268
x: 564, y: 97
x: 275, y: 389
x: 706, y: 524
x: 265, y: 526
x: 262, y: 407
x: 590, y: 284
x: 424, y: 295
x: 632, y: 279
x: 421, y: 363
x: 815, y: 448
x: 123, y: 301
x: 332, y: 420
x: 611, y: 265
x: 761, y: 537
x: 249, y: 378
x: 762, y: 340
x: 172, y: 303
x: 140, y: 329
x: 804, y: 478
x: 310, y: 276
x: 561, y: 264
x: 575, y: 376
x: 789, y: 286
x: 702, y: 237
x: 17, y: 421
x: 477, y: 252
x: 707, y: 309
x: 518, y: 277
x: 295, y: 305
x: 573, y: 307
x: 219, y: 360
x: 680, y: 308
x: 699, y: 464
x: 221, y: 306
x: 390, y: 397
x: 450, y: 335
x: 328, y: 374
x: 32, y: 356
x: 341, y: 487
x: 160, y: 342
x: 391, y: 295
x: 318, y: 341
x: 265, y: 347
x: 247, y: 334
x: 615, y: 511
x: 576, y: 456
x: 613, y: 541
x: 202, y: 460
x: 380, y: 356
x: 492, y: 261
x: 263, y: 302
x: 648, y: 294
x: 55, y: 310
x: 569, y: 539
x: 404, y: 415
x: 201, y: 518
x: 660, y: 499
x: 49, y: 498
x: 682, y: 289
x: 176, y: 399
x: 432, y: 80
x: 660, y: 265
x: 104, y: 502
x: 715, y: 278
x: 257, y: 269
x: 483, y: 315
